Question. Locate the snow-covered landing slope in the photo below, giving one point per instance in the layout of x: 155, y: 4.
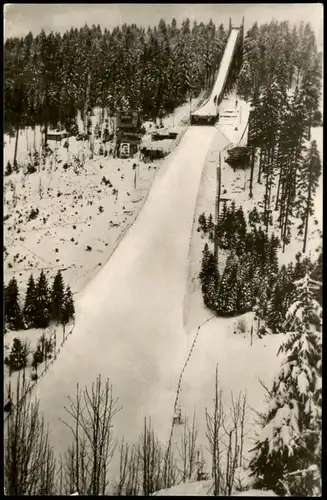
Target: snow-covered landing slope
x: 129, y: 318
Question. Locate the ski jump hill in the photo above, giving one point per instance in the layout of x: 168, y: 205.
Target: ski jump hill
x: 210, y: 107
x: 129, y: 318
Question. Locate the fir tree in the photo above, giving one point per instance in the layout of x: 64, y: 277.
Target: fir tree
x: 209, y: 277
x: 42, y: 302
x: 204, y: 263
x: 254, y: 134
x: 254, y: 217
x: 210, y: 227
x: 311, y: 90
x: 68, y: 308
x: 273, y: 256
x: 287, y: 454
x: 18, y: 355
x: 245, y: 285
x: 203, y: 223
x: 29, y: 310
x: 9, y: 169
x: 240, y: 223
x: 13, y: 315
x: 308, y: 183
x: 228, y: 290
x: 222, y: 227
x: 57, y: 296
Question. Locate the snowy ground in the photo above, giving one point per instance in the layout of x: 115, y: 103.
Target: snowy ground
x: 31, y: 337
x: 76, y: 210
x: 205, y: 488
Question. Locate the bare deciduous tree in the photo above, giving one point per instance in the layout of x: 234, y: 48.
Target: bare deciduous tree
x: 29, y: 463
x: 187, y: 449
x: 214, y: 427
x: 226, y: 439
x: 88, y: 458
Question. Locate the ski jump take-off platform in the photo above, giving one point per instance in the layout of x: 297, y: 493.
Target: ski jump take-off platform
x: 208, y: 114
x: 130, y: 317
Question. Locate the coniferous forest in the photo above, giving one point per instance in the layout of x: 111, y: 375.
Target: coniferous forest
x: 42, y: 304
x: 49, y: 78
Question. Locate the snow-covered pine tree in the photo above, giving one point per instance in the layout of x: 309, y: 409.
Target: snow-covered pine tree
x: 273, y: 256
x: 311, y: 91
x: 13, y: 315
x: 240, y: 223
x: 18, y: 355
x: 9, y: 169
x: 287, y: 453
x: 42, y: 302
x: 204, y: 263
x: 222, y: 227
x: 293, y: 147
x: 244, y: 83
x: 307, y: 184
x: 68, y: 308
x: 57, y: 296
x: 210, y: 227
x: 203, y: 222
x: 29, y: 310
x: 254, y: 134
x: 276, y: 308
x: 261, y: 300
x: 302, y: 267
x: 245, y: 285
x: 209, y: 277
x: 274, y: 101
x: 254, y: 217
x: 230, y: 226
x: 228, y: 291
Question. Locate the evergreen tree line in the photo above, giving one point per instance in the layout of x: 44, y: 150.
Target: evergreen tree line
x: 265, y: 46
x: 42, y: 303
x: 279, y: 125
x: 49, y: 78
x: 251, y: 279
x: 287, y: 454
x: 278, y: 296
x: 252, y: 255
x: 18, y: 356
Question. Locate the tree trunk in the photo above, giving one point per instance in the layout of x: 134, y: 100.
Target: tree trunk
x: 16, y: 144
x: 278, y: 188
x: 271, y: 161
x: 306, y: 221
x: 252, y: 171
x: 46, y: 133
x: 260, y: 165
x: 287, y: 207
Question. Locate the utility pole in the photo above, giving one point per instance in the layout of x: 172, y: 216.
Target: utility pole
x: 218, y: 191
x: 219, y: 199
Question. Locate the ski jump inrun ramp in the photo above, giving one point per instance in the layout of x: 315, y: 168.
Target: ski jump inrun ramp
x: 129, y: 318
x: 210, y: 107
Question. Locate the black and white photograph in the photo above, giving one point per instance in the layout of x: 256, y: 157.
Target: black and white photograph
x: 163, y: 233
